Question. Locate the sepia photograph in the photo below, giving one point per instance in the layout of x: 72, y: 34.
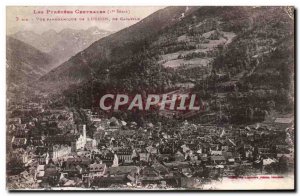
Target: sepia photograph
x: 150, y: 98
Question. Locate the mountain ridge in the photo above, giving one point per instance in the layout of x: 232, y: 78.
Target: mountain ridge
x: 210, y: 50
x: 63, y: 44
x: 25, y: 63
x: 122, y: 44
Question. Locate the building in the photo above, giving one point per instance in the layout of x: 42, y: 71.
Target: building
x: 59, y: 151
x: 81, y: 141
x: 124, y: 155
x: 97, y: 170
x: 19, y: 142
x: 90, y: 143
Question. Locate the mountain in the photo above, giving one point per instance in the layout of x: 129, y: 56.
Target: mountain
x: 24, y: 63
x: 61, y: 45
x: 237, y: 54
x: 33, y: 39
x: 116, y: 47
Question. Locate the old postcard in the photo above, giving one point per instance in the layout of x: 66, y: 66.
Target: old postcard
x: 150, y: 98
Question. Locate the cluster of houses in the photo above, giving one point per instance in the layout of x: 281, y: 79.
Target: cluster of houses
x: 47, y: 149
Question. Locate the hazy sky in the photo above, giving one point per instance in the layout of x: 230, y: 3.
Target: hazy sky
x: 28, y: 18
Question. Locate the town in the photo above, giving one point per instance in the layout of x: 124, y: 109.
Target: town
x: 188, y: 98
x: 73, y: 147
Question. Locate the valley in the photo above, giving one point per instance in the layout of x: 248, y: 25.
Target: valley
x: 188, y: 98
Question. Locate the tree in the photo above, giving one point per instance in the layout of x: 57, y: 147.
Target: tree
x: 15, y: 166
x: 239, y: 171
x: 283, y: 164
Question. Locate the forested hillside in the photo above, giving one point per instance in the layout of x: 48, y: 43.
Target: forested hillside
x: 239, y: 60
